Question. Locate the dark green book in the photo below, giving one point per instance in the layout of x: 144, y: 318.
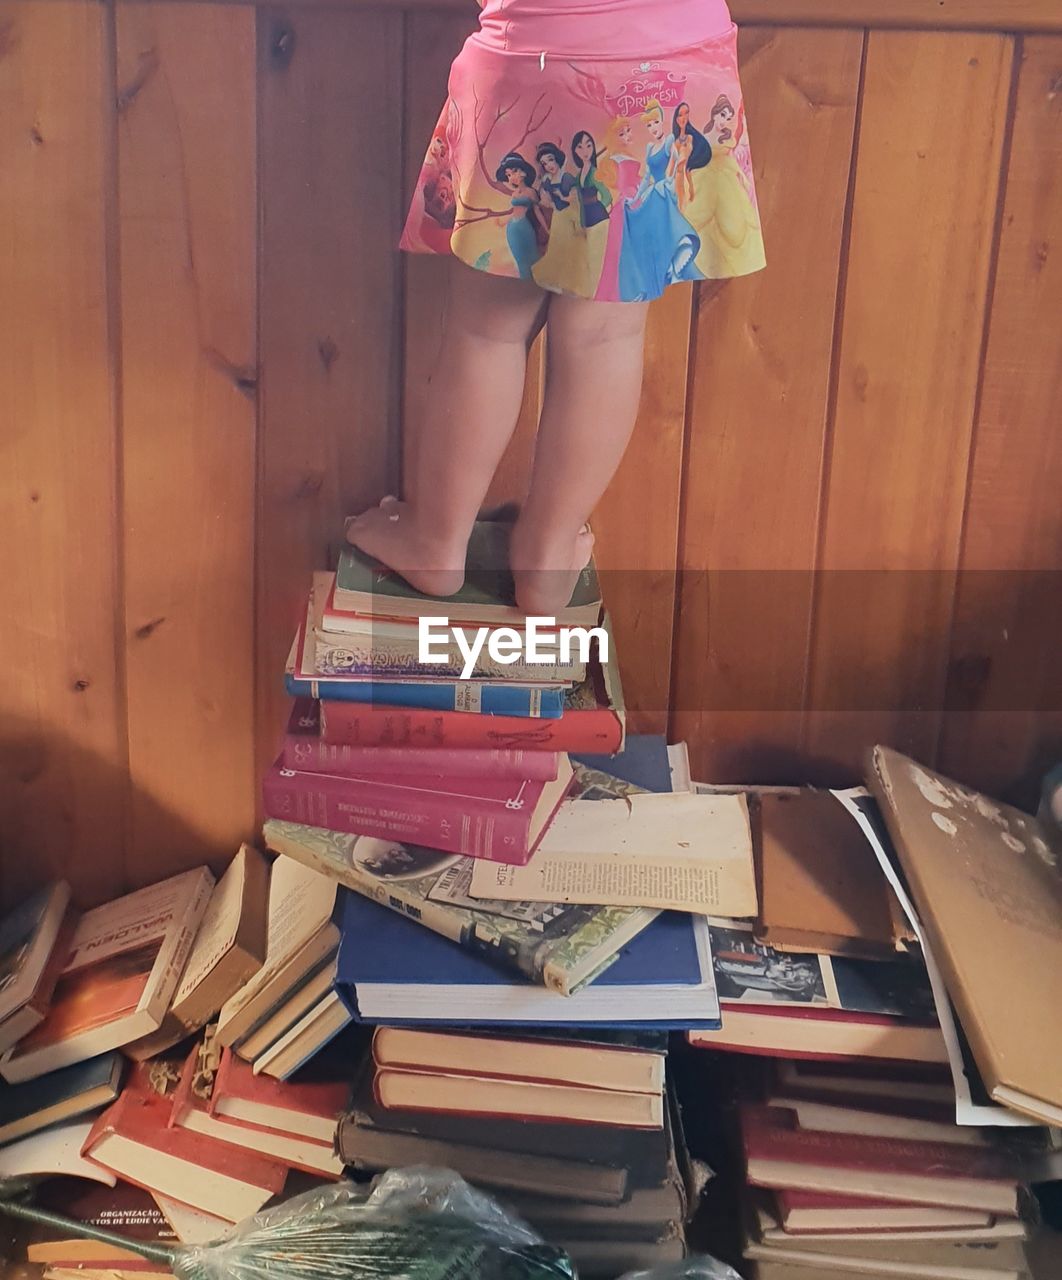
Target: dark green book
x: 59, y: 1096
x: 488, y: 597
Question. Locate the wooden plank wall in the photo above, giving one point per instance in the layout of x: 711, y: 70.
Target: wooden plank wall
x: 838, y: 520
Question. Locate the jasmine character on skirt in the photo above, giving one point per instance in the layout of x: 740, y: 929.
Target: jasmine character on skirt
x: 533, y: 75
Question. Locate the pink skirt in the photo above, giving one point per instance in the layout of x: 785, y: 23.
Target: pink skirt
x: 601, y: 178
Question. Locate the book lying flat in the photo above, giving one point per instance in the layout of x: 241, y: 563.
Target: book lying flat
x: 193, y: 1110
x: 125, y: 963
x: 780, y: 1264
x: 593, y: 718
x: 487, y: 598
x: 987, y: 887
x: 399, y: 972
x: 304, y: 749
x: 780, y: 1153
x: 849, y: 1082
x: 541, y: 1059
x: 134, y: 1140
x: 59, y: 1096
x: 810, y: 1211
x: 777, y: 1031
x: 520, y: 1099
x: 500, y: 820
x: 122, y: 1208
x: 52, y: 1153
x: 309, y: 1107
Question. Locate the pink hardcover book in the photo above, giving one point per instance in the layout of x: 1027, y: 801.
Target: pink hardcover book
x: 305, y: 751
x: 500, y: 820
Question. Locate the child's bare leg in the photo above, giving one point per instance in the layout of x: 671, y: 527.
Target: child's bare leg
x: 473, y: 403
x: 593, y: 380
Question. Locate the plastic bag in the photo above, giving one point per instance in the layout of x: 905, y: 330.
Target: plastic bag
x: 415, y: 1224
x: 697, y: 1268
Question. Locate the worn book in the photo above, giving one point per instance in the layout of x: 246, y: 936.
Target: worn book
x: 499, y: 820
x: 134, y: 1140
x: 780, y: 1152
x: 821, y: 887
x: 125, y: 963
x: 309, y: 1107
x: 563, y: 947
x: 987, y: 887
x: 316, y: 1029
x: 908, y: 1120
x: 803, y: 1212
x: 59, y: 1096
x: 52, y: 1153
x: 544, y: 1059
x: 487, y: 597
x: 229, y: 950
x: 780, y: 1264
x: 592, y: 719
x: 306, y: 751
x: 300, y: 934
x: 194, y: 1109
x: 33, y: 940
x: 778, y: 1031
x: 348, y: 642
x: 682, y: 852
x: 530, y: 1100
x: 123, y: 1208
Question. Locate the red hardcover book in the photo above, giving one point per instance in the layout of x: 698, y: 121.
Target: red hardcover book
x: 780, y: 1153
x: 213, y: 1177
x: 309, y: 1106
x: 305, y: 750
x: 786, y: 1031
x: 193, y: 1109
x: 814, y: 1212
x: 499, y: 821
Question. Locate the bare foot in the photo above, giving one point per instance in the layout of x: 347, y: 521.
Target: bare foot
x: 545, y: 570
x: 389, y: 533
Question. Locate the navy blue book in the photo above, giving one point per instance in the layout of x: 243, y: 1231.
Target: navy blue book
x: 59, y: 1096
x: 396, y: 971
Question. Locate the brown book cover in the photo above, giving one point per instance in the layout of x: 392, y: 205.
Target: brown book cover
x: 821, y: 888
x: 987, y: 888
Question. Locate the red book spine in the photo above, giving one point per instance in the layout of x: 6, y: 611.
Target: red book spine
x: 370, y: 807
x: 593, y: 732
x: 313, y: 755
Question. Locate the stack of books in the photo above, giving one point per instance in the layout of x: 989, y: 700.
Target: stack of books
x: 573, y: 1132
x: 870, y: 1175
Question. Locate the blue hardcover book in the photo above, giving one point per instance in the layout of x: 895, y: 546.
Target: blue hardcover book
x: 539, y: 702
x: 643, y: 761
x: 399, y: 972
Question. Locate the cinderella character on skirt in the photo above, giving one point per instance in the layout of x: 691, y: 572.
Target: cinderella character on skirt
x: 659, y: 244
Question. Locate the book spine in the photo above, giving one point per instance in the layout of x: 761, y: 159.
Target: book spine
x: 346, y: 654
x: 310, y: 754
x: 596, y: 732
x: 372, y: 808
x: 460, y: 696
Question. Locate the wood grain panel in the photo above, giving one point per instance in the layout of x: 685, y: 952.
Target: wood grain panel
x: 1004, y: 724
x: 330, y: 149
x: 187, y: 220
x: 914, y: 311
x: 62, y: 749
x: 636, y: 523
x: 962, y: 15
x: 757, y: 417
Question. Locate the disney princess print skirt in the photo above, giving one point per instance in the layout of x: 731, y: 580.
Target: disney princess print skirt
x: 599, y: 179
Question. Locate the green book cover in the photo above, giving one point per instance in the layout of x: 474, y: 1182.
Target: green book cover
x: 488, y: 582
x: 563, y: 946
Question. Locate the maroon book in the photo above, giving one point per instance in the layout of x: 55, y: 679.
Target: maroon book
x: 781, y: 1154
x: 498, y: 820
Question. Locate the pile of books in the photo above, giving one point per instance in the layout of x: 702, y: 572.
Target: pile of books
x: 573, y: 1132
